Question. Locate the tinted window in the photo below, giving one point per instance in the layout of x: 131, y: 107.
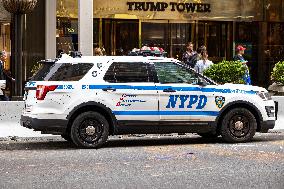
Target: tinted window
x: 42, y: 71
x: 62, y: 72
x: 170, y: 72
x: 124, y: 72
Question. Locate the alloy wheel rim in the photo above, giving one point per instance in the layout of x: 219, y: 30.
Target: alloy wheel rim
x: 239, y: 126
x: 90, y: 131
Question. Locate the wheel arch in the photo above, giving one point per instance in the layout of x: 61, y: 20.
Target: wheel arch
x: 240, y: 104
x: 93, y: 106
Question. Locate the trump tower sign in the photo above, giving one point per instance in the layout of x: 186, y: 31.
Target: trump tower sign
x: 179, y: 10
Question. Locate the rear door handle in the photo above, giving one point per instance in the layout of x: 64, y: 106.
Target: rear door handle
x: 169, y: 90
x: 109, y: 89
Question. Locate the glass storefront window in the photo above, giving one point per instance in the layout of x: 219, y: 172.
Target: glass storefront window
x: 274, y: 10
x: 214, y: 36
x: 66, y: 26
x: 275, y: 43
x: 181, y: 33
x: 156, y: 34
x: 120, y: 36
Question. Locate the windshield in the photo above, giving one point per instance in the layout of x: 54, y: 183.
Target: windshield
x: 62, y: 72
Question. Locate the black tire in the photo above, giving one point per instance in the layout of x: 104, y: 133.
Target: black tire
x: 66, y: 137
x: 209, y: 135
x: 97, y: 133
x: 238, y: 125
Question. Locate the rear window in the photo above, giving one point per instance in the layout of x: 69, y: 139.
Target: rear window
x: 62, y: 72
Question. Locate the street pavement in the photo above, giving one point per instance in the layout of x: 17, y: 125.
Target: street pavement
x: 143, y: 161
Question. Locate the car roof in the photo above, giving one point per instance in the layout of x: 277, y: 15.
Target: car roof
x: 109, y: 59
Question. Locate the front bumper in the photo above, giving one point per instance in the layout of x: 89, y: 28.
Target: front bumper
x: 266, y: 125
x: 46, y: 126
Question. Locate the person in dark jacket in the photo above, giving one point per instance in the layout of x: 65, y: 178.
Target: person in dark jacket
x: 3, y: 97
x: 189, y: 57
x: 4, y: 76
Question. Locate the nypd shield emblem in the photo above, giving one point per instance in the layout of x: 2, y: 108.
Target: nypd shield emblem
x: 220, y: 101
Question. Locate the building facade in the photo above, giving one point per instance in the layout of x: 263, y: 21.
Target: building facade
x: 220, y: 25
x: 119, y: 26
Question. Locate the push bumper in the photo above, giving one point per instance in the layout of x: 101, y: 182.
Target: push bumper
x: 46, y: 126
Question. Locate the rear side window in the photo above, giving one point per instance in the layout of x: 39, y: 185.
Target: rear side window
x: 62, y: 72
x: 124, y: 72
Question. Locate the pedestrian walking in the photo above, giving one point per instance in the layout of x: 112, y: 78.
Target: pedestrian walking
x: 203, y: 64
x: 240, y: 51
x: 189, y: 56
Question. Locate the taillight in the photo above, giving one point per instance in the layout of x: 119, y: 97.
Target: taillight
x: 42, y: 90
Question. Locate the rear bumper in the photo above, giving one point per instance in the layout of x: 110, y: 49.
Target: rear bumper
x: 266, y: 125
x: 46, y: 126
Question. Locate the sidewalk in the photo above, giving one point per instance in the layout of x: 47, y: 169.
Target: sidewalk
x: 11, y: 129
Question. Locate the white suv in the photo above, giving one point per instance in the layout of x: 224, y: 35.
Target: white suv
x: 86, y: 99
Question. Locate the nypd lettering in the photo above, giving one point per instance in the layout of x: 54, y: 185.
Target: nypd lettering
x: 187, y: 101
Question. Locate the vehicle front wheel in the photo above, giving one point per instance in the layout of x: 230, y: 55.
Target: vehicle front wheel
x: 90, y: 130
x: 238, y: 125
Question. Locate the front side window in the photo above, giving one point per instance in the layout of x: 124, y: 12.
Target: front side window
x: 62, y: 72
x: 125, y: 72
x: 169, y: 72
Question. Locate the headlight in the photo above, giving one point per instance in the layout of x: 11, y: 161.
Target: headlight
x: 264, y: 95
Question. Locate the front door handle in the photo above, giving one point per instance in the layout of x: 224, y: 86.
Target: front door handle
x: 109, y: 89
x: 169, y: 90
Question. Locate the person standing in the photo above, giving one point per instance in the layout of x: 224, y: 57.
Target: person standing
x: 3, y: 57
x: 240, y: 50
x: 203, y: 63
x: 189, y: 56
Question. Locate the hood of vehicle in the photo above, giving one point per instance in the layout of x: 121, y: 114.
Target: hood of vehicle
x: 244, y: 87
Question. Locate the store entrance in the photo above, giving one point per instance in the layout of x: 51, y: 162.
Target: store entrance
x: 216, y: 37
x: 120, y: 36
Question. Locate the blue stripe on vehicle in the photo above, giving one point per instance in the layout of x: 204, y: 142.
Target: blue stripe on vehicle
x: 200, y: 89
x: 59, y: 87
x: 197, y: 113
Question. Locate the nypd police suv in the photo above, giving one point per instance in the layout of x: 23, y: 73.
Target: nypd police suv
x: 85, y: 99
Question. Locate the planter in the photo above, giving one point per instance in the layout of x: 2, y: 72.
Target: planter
x: 276, y: 89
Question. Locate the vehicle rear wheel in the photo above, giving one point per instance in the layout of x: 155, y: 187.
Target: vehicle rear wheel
x: 238, y: 125
x: 90, y: 130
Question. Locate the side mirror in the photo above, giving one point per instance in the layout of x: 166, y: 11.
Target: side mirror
x: 201, y: 82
